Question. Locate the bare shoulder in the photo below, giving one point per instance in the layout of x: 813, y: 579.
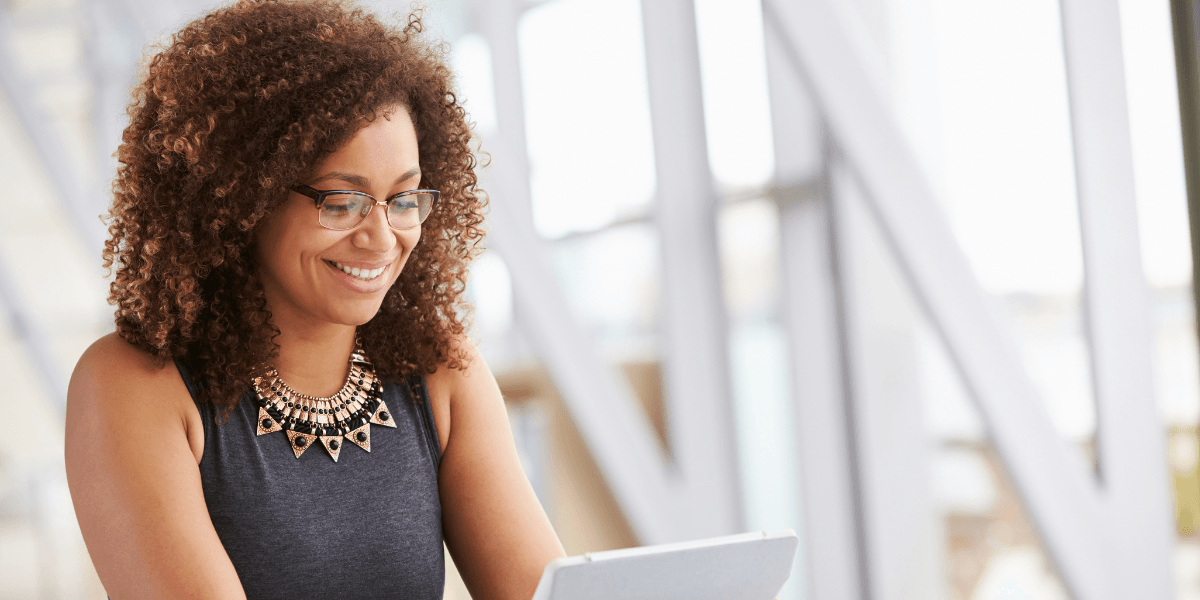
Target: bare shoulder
x: 114, y: 379
x: 111, y: 361
x: 452, y: 391
x: 133, y: 445
x: 471, y: 368
x: 493, y: 524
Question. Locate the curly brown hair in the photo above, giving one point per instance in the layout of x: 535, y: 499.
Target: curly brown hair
x: 236, y: 108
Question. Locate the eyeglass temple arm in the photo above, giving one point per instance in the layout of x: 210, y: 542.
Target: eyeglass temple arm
x: 302, y: 189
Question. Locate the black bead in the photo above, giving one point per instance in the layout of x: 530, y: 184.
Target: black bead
x: 300, y: 442
x: 267, y: 423
x: 333, y: 444
x: 319, y: 431
x: 361, y: 436
x: 383, y: 416
x: 290, y: 404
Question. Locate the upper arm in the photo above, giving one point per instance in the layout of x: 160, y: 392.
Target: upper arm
x: 135, y: 481
x: 493, y: 524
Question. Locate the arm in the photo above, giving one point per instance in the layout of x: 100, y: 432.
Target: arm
x: 133, y: 444
x: 493, y: 524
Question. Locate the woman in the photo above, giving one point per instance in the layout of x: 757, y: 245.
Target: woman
x: 289, y: 407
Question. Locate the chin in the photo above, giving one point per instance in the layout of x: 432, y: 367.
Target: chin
x: 356, y: 315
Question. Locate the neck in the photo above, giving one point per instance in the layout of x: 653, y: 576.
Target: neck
x: 314, y: 360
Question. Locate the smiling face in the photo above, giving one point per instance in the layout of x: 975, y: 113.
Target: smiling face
x: 303, y: 266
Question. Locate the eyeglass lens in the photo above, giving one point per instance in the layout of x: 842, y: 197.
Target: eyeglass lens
x: 345, y: 211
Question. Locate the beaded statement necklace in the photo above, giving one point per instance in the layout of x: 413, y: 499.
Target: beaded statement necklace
x: 305, y: 419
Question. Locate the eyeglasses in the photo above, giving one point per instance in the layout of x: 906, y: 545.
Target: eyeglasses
x: 345, y: 209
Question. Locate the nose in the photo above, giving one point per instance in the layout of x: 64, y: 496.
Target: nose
x: 374, y: 233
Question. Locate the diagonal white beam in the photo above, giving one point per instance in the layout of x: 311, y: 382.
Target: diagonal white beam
x: 82, y: 208
x: 497, y: 22
x: 613, y: 426
x: 900, y: 531
x: 834, y: 545
x: 694, y: 347
x: 1133, y: 463
x: 833, y: 548
x: 694, y: 492
x: 34, y: 338
x: 82, y: 205
x: 1061, y: 498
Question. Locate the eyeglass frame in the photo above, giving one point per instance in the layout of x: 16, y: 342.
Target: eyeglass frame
x: 319, y: 196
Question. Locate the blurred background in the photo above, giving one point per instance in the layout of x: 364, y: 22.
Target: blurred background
x: 910, y: 277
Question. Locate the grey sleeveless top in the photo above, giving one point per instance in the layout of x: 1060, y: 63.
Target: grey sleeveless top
x: 368, y: 526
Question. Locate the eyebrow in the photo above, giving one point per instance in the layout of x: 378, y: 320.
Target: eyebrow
x: 360, y: 181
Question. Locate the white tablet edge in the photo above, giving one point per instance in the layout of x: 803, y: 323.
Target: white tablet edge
x: 558, y: 563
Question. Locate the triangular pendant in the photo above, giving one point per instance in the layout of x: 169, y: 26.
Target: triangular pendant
x: 333, y: 445
x: 267, y: 423
x: 300, y: 441
x: 382, y: 416
x: 365, y: 433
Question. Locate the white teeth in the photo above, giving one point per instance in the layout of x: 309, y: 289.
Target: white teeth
x: 364, y: 274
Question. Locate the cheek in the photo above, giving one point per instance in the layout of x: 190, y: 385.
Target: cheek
x: 274, y: 266
x: 409, y: 239
x: 285, y: 252
x: 267, y: 253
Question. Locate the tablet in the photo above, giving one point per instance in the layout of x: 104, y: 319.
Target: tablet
x: 748, y: 566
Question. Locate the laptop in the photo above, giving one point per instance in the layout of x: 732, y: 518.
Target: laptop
x: 747, y: 566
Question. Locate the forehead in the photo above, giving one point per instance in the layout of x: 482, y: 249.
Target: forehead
x: 378, y: 153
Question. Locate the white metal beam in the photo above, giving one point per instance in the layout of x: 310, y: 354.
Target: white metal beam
x: 613, y: 426
x: 497, y: 22
x: 834, y: 556
x: 830, y: 500
x: 1132, y: 448
x: 34, y: 338
x: 82, y: 208
x: 696, y: 494
x: 1053, y: 481
x: 603, y: 408
x: 696, y: 382
x: 82, y: 205
x: 112, y: 43
x: 901, y: 536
